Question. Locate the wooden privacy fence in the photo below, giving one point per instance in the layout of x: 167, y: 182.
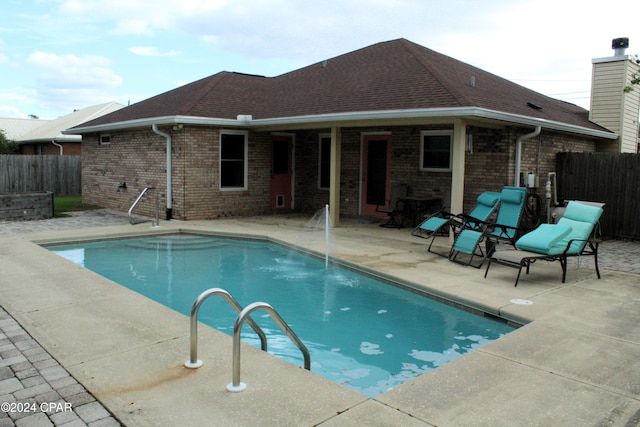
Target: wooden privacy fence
x: 612, y: 178
x: 25, y: 174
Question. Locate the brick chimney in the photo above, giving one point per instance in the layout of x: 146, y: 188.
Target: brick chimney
x: 612, y: 107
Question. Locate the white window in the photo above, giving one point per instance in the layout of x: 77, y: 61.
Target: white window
x: 324, y: 162
x: 105, y: 139
x: 233, y: 160
x: 435, y: 150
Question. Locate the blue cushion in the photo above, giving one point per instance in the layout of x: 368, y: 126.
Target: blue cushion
x: 581, y: 218
x: 544, y: 239
x: 580, y: 232
x: 580, y: 212
x: 488, y: 198
x: 511, y: 196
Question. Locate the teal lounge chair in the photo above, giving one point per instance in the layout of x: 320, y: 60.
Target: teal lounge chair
x: 442, y: 222
x: 505, y: 228
x: 575, y: 234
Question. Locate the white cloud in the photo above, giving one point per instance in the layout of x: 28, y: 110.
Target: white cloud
x: 151, y: 51
x: 70, y: 81
x: 543, y: 44
x: 130, y: 17
x: 12, y: 112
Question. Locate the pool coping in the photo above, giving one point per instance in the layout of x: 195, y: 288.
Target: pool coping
x: 150, y: 405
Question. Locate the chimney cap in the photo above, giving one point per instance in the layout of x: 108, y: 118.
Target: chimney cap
x: 620, y: 43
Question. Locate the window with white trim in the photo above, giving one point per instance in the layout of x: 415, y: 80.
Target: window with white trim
x: 435, y: 150
x: 324, y: 162
x: 233, y: 160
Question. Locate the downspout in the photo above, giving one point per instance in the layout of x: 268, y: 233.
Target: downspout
x: 53, y: 141
x: 154, y: 127
x: 536, y: 132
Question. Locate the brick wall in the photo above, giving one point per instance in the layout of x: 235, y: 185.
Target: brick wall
x: 138, y: 158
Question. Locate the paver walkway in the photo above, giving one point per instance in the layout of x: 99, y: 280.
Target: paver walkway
x: 36, y: 391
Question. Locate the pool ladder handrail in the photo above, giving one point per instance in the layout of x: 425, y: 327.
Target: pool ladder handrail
x: 156, y: 223
x: 236, y: 385
x: 193, y: 361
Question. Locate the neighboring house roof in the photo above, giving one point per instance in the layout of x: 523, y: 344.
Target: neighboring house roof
x: 14, y: 128
x: 394, y: 79
x: 53, y: 129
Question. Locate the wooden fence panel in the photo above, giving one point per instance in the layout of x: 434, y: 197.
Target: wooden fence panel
x: 611, y: 178
x: 24, y: 174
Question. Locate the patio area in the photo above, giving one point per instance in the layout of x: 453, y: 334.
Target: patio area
x: 575, y: 362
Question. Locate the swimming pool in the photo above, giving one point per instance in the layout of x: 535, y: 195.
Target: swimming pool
x: 361, y: 332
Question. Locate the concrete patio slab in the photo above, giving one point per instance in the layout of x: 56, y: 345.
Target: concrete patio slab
x: 374, y: 414
x: 574, y: 363
x: 573, y: 353
x: 485, y: 390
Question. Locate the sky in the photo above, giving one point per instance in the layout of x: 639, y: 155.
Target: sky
x: 57, y: 56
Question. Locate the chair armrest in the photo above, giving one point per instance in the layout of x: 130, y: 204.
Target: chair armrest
x: 466, y: 219
x: 570, y: 242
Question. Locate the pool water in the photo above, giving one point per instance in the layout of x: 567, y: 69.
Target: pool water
x: 360, y: 331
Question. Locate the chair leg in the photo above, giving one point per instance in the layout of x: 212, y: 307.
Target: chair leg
x: 392, y: 222
x: 486, y: 271
x: 595, y: 257
x: 433, y: 239
x: 518, y: 276
x: 563, y: 264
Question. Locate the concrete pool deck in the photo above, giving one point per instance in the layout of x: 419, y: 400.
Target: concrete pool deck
x: 575, y: 362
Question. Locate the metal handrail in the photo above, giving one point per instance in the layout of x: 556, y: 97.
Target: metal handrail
x: 236, y: 385
x: 157, y: 219
x: 193, y: 361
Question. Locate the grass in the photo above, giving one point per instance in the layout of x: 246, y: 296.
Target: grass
x: 62, y: 204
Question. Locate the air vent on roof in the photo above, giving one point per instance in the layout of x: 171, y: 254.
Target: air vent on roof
x: 620, y: 45
x: 534, y: 106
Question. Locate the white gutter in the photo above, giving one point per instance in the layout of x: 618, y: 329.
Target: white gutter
x: 53, y: 141
x: 536, y: 132
x: 459, y: 112
x: 244, y: 122
x: 169, y: 212
x: 165, y: 120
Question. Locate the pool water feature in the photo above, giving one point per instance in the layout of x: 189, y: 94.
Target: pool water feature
x: 361, y: 332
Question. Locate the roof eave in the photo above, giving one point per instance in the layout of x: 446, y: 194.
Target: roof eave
x: 165, y: 120
x: 48, y: 139
x: 453, y: 112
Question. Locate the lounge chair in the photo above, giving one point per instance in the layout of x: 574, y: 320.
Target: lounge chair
x: 396, y: 206
x: 505, y: 228
x: 575, y: 234
x: 442, y: 222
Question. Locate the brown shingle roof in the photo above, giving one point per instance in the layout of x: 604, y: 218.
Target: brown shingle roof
x: 393, y: 75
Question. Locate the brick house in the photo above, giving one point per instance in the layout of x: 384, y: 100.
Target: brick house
x: 48, y: 139
x: 342, y: 132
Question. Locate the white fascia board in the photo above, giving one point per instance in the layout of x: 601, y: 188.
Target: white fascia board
x: 458, y: 112
x: 544, y: 123
x: 166, y: 120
